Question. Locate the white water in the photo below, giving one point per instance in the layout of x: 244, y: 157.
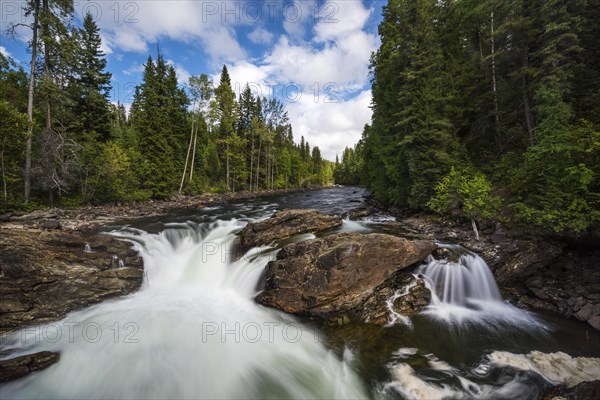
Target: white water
x: 449, y: 382
x: 556, y: 368
x: 464, y: 290
x: 192, y: 331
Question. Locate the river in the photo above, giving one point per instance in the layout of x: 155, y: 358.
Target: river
x: 193, y: 330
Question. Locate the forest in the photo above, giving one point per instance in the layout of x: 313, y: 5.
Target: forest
x: 486, y: 109
x: 62, y: 142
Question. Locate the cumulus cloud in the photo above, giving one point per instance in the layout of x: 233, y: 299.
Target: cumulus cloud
x: 4, y: 52
x: 338, y: 18
x: 261, y: 36
x: 297, y: 16
x: 133, y: 26
x: 183, y: 76
x: 331, y: 126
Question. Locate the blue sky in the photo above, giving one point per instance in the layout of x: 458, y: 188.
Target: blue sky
x: 312, y: 54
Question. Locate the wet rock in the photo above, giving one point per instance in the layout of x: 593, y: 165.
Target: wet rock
x: 417, y: 298
x: 595, y: 322
x: 581, y: 391
x: 336, y: 274
x: 588, y: 311
x: 44, y: 275
x: 18, y: 367
x: 284, y: 224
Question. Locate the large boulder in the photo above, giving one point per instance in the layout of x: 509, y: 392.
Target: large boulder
x: 335, y: 276
x: 284, y: 224
x: 46, y: 274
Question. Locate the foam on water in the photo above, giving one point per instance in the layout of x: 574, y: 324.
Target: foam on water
x: 192, y: 331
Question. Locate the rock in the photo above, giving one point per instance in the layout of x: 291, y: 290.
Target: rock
x: 581, y: 391
x: 595, y: 322
x: 284, y: 224
x: 44, y: 275
x: 336, y: 274
x: 50, y: 224
x: 18, y: 367
x: 530, y: 257
x: 588, y: 311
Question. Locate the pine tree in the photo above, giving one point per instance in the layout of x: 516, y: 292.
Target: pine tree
x: 92, y: 85
x: 159, y: 117
x: 225, y: 100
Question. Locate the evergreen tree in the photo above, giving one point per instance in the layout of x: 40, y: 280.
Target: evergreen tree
x: 159, y: 116
x: 92, y: 85
x: 225, y: 101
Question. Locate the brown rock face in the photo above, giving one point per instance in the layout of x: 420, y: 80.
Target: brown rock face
x: 18, y: 367
x: 44, y: 275
x: 335, y: 275
x: 284, y: 224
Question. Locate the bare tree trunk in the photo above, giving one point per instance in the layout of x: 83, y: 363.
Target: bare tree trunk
x: 494, y: 87
x: 5, y: 190
x: 194, y: 153
x: 28, y: 145
x: 251, y: 160
x: 526, y: 102
x: 227, y: 162
x: 474, y: 225
x: 187, y: 157
x: 256, y: 186
x: 47, y: 68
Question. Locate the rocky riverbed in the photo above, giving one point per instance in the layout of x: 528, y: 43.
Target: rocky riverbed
x: 51, y: 263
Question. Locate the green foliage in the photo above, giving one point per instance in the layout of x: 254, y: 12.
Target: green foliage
x: 466, y: 194
x: 558, y: 182
x: 158, y: 115
x: 120, y: 182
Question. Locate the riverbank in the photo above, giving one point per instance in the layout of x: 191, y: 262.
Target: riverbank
x: 545, y: 273
x: 91, y: 217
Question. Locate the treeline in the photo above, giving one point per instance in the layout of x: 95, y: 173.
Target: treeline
x: 63, y: 141
x: 486, y: 108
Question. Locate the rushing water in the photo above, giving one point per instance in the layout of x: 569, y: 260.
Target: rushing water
x: 193, y: 330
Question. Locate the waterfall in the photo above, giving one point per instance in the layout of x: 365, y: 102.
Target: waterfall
x: 463, y: 288
x: 461, y: 279
x: 192, y: 331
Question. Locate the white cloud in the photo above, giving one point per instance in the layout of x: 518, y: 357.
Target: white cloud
x: 345, y: 62
x: 5, y: 52
x: 183, y: 76
x: 261, y: 36
x: 104, y: 47
x: 133, y: 26
x: 297, y: 15
x: 339, y: 18
x: 331, y: 126
x: 134, y: 70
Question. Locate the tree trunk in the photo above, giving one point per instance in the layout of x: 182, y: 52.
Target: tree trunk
x: 47, y: 67
x: 256, y: 186
x: 251, y: 160
x: 475, y: 229
x: 526, y: 102
x: 28, y: 145
x: 194, y: 153
x: 187, y: 157
x: 5, y: 190
x: 227, y: 163
x: 494, y: 87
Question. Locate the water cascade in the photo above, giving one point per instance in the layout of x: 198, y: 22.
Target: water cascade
x: 464, y: 289
x: 192, y: 331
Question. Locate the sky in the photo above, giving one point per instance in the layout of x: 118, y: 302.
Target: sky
x: 313, y: 54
